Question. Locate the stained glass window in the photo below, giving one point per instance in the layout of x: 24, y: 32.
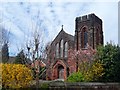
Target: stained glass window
x: 57, y: 50
x: 61, y: 48
x: 66, y: 49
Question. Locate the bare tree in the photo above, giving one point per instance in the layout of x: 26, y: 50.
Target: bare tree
x: 35, y: 45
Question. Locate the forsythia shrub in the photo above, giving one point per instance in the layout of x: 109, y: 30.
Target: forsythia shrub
x: 97, y: 70
x: 0, y: 77
x: 16, y: 76
x: 92, y: 71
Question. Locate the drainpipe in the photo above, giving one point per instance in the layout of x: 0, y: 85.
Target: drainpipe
x: 77, y: 63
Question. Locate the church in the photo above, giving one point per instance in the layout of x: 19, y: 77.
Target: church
x: 88, y: 35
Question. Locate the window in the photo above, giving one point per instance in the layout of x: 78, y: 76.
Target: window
x: 84, y: 38
x: 61, y: 48
x: 66, y: 49
x: 57, y: 50
x: 97, y: 37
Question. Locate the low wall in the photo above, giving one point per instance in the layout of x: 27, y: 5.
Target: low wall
x: 84, y: 86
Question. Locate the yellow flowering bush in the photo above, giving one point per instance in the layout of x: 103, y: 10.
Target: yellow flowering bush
x: 95, y: 72
x: 91, y: 71
x: 0, y: 77
x: 16, y: 76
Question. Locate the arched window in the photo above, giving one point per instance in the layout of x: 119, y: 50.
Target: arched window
x: 57, y: 50
x: 84, y: 39
x: 61, y: 48
x: 66, y: 49
x: 97, y: 36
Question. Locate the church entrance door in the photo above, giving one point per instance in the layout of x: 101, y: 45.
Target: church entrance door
x: 61, y: 72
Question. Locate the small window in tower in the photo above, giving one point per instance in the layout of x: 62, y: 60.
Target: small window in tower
x: 85, y: 39
x: 97, y: 36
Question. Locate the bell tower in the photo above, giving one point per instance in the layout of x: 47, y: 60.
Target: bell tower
x: 88, y: 31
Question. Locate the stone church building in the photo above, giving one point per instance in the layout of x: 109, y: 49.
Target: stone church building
x: 88, y: 33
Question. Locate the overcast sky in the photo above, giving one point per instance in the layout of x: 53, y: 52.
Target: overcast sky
x: 20, y: 18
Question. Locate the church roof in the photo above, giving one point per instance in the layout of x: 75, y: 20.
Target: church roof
x: 61, y: 34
